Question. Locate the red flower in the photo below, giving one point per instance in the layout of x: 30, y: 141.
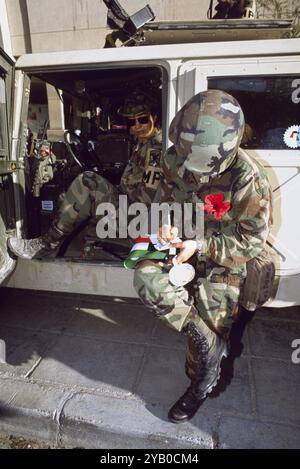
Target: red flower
x: 213, y: 203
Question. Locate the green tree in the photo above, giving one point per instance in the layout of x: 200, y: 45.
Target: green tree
x: 278, y: 9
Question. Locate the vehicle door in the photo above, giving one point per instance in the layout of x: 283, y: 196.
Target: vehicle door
x: 7, y: 166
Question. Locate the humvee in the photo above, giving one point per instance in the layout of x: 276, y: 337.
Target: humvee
x: 70, y: 99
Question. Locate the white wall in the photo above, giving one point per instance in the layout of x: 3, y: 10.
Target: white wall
x: 5, y: 39
x: 53, y: 25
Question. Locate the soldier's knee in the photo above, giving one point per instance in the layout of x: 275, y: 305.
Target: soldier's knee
x: 90, y: 180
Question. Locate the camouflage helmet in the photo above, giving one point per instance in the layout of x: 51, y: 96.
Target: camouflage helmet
x: 137, y: 104
x: 207, y: 132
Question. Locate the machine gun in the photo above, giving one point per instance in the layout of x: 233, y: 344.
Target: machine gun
x: 127, y: 29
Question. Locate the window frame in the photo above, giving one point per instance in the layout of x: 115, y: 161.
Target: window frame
x: 196, y: 74
x: 254, y: 102
x: 7, y: 74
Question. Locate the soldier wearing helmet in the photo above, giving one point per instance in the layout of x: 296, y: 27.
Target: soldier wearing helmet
x: 139, y: 180
x: 142, y: 175
x: 205, y: 164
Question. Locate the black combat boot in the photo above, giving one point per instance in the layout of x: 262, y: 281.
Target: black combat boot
x: 210, y: 353
x: 38, y: 247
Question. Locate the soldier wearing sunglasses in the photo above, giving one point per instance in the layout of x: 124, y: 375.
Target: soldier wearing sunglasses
x: 139, y: 181
x: 142, y: 174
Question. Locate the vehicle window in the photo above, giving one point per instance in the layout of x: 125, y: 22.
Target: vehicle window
x: 3, y: 119
x: 271, y: 106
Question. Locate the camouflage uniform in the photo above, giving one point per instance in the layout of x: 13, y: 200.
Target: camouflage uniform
x: 205, y: 159
x: 139, y: 182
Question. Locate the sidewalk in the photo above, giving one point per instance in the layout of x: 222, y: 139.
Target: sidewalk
x: 102, y: 373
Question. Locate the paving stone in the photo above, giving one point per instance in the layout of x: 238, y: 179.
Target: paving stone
x: 238, y: 433
x: 163, y: 379
x: 79, y: 361
x: 29, y: 409
x: 33, y: 311
x: 92, y: 300
x: 277, y: 387
x: 167, y: 337
x: 273, y: 338
x: 24, y: 348
x: 231, y: 394
x: 110, y: 321
x: 108, y: 371
x: 98, y: 422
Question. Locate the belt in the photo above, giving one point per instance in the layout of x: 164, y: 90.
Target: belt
x: 233, y: 280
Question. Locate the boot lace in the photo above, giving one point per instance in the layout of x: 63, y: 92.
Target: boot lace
x: 201, y: 345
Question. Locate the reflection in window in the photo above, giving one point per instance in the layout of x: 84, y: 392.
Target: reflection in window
x: 271, y: 105
x: 3, y: 121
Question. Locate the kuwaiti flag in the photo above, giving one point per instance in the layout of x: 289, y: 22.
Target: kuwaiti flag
x: 145, y: 247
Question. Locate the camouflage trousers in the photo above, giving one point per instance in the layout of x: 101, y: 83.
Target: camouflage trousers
x: 80, y: 201
x: 212, y: 306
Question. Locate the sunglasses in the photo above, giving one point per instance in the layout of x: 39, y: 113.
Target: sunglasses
x: 140, y: 120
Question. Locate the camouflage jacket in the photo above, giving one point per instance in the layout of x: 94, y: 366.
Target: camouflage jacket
x: 242, y: 232
x: 142, y: 174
